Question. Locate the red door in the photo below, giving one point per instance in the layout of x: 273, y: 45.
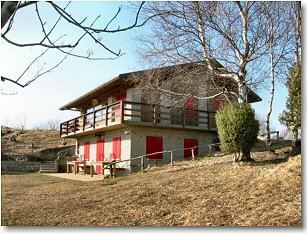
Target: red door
x: 117, y: 148
x: 87, y: 150
x: 189, y: 143
x: 154, y: 144
x: 99, y: 154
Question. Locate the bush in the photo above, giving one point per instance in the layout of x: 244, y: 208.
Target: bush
x: 237, y: 129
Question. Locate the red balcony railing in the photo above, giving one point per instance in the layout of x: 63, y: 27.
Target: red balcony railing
x: 125, y: 112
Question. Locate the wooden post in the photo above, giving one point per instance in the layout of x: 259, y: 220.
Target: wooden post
x: 67, y: 128
x: 154, y: 114
x: 114, y: 170
x: 107, y: 110
x: 183, y: 117
x: 210, y: 150
x: 94, y: 119
x: 172, y: 159
x: 75, y: 123
x: 142, y: 163
x: 122, y: 105
x: 91, y: 170
x: 83, y: 127
x: 193, y: 157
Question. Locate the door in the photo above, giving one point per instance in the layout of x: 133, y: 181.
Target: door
x: 189, y: 143
x: 116, y: 148
x: 99, y: 154
x: 87, y: 150
x: 154, y: 144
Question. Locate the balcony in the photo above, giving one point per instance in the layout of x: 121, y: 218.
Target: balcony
x: 123, y: 113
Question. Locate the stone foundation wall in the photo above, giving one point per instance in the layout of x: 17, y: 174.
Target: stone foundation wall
x: 20, y: 166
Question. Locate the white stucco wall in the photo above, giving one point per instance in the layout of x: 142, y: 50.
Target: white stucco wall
x: 108, y: 145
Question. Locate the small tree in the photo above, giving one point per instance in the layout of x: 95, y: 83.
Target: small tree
x: 292, y: 117
x: 238, y: 130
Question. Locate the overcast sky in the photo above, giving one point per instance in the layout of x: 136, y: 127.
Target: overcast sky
x: 41, y: 100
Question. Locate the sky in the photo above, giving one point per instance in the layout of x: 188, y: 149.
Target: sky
x: 40, y: 101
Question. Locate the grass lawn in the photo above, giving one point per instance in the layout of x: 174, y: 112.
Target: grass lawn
x: 204, y: 192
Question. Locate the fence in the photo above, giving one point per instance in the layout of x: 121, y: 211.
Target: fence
x: 171, y: 152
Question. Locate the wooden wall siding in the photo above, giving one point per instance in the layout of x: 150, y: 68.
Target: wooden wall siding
x: 124, y: 112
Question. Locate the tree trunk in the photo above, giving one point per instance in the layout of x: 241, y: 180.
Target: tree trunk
x: 7, y: 10
x: 294, y: 138
x: 268, y: 115
x: 242, y: 92
x: 246, y: 156
x: 297, y: 12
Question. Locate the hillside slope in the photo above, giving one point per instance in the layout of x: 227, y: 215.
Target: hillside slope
x: 30, y: 142
x: 206, y: 192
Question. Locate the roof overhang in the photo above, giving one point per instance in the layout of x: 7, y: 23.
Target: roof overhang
x: 121, y: 80
x: 111, y: 84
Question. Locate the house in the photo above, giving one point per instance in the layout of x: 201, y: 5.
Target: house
x: 115, y: 122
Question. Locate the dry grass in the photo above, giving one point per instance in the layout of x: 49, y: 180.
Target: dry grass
x: 204, y: 192
x: 41, y: 139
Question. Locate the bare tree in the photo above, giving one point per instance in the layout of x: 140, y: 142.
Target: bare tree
x: 229, y: 32
x: 22, y: 122
x: 174, y: 86
x: 51, y: 124
x: 234, y: 34
x: 280, y: 48
x: 86, y: 29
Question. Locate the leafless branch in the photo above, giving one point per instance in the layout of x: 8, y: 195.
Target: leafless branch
x: 9, y: 10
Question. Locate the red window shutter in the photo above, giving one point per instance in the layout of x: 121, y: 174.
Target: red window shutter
x: 218, y: 104
x: 122, y: 96
x: 117, y: 148
x: 190, y: 104
x: 99, y: 154
x: 87, y: 150
x: 189, y: 143
x: 154, y: 144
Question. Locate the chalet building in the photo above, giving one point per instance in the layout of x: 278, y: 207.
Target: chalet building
x: 116, y: 123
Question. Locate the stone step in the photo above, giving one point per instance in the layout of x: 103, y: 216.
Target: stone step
x: 48, y: 171
x: 49, y: 167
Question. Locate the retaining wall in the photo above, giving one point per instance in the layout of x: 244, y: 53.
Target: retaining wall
x: 20, y: 166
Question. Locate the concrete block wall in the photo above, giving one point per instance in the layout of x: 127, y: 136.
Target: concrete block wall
x: 172, y: 139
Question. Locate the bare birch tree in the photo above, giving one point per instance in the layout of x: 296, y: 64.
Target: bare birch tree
x: 228, y: 32
x: 280, y: 48
x: 233, y: 33
x: 86, y: 30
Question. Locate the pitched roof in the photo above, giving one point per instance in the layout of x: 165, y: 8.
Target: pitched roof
x: 121, y: 79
